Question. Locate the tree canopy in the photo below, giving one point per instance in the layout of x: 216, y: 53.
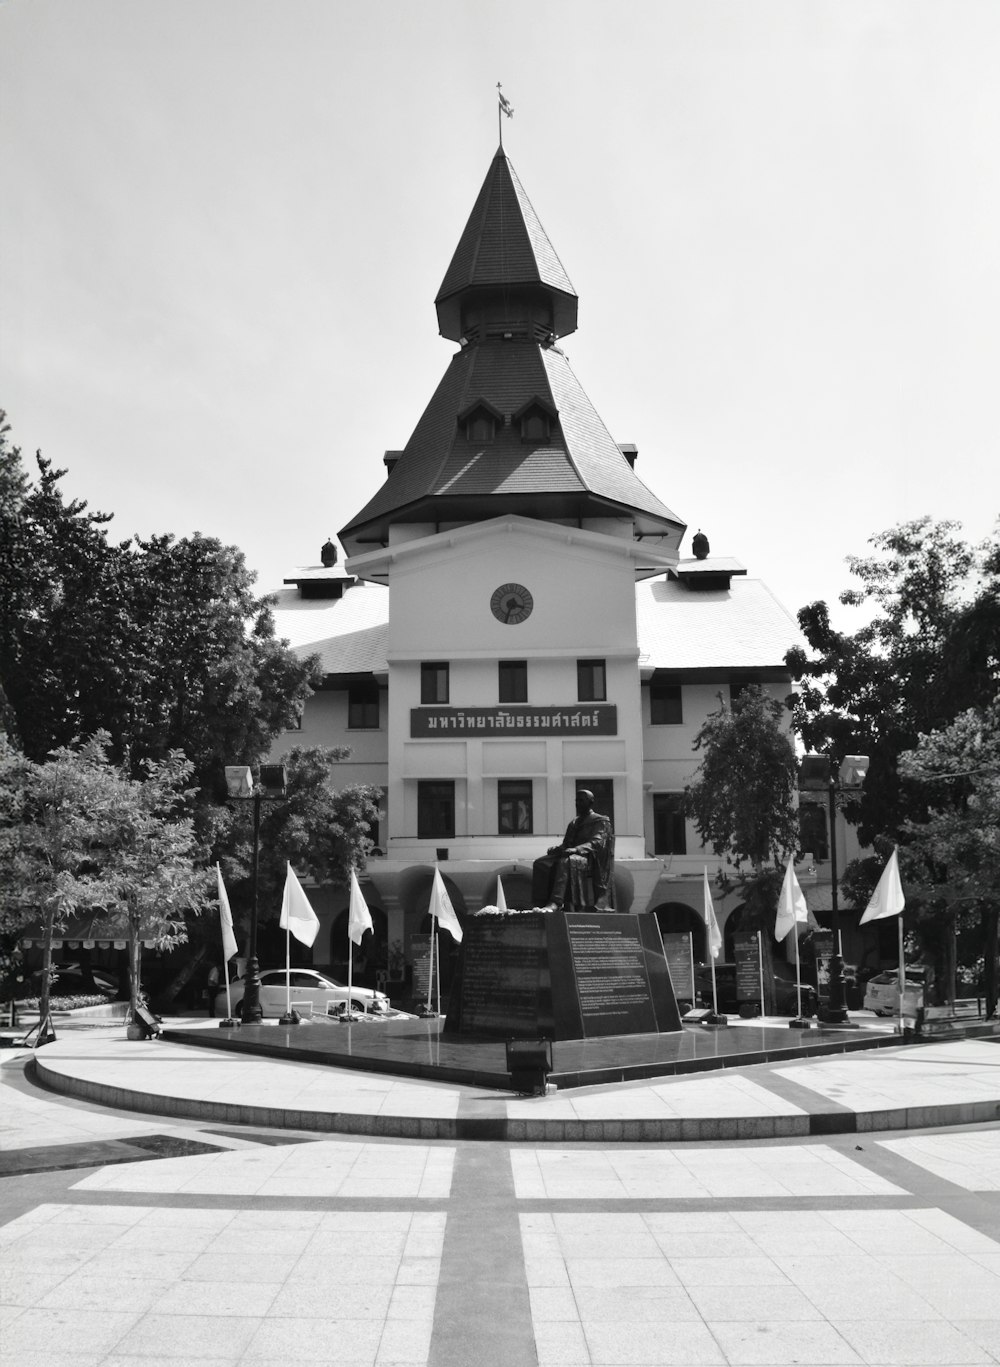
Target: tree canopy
x: 742, y: 799
x: 927, y: 651
x: 162, y: 643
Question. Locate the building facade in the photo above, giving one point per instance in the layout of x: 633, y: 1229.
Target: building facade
x: 515, y: 618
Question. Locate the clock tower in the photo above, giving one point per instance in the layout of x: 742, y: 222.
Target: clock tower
x: 510, y: 530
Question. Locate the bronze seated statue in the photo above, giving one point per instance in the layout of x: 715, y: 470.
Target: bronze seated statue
x: 578, y: 874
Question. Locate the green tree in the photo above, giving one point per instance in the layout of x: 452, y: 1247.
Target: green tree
x: 928, y: 651
x: 923, y: 655
x: 78, y: 833
x: 953, y: 854
x: 50, y: 841
x: 743, y: 798
x: 161, y: 643
x: 149, y: 873
x: 743, y: 804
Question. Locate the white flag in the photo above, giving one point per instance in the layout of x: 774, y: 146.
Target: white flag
x: 887, y: 899
x: 792, y: 904
x: 360, y: 918
x: 714, y: 933
x: 297, y: 916
x: 229, y: 945
x: 501, y: 899
x: 441, y: 908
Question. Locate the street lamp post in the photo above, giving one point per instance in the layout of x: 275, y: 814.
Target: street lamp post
x: 269, y: 786
x: 816, y: 774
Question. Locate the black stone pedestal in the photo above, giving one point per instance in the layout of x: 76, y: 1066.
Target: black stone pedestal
x: 561, y: 975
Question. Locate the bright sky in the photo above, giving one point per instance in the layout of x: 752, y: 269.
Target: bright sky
x: 224, y: 223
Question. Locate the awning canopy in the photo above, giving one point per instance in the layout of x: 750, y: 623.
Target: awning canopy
x: 87, y: 932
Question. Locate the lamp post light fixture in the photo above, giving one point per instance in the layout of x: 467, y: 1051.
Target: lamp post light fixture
x: 269, y: 787
x: 816, y: 775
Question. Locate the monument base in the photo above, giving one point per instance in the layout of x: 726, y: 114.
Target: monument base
x: 561, y: 975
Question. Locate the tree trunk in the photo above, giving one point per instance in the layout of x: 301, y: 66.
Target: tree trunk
x: 44, y: 992
x: 168, y: 995
x: 990, y: 922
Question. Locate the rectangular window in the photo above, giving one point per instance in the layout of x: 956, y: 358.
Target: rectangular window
x: 669, y: 830
x: 435, y: 810
x: 513, y: 680
x: 665, y: 708
x: 434, y: 683
x: 514, y: 807
x: 362, y: 706
x: 591, y: 681
x: 604, y: 795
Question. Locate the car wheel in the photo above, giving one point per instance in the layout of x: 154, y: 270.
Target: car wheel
x: 358, y: 1006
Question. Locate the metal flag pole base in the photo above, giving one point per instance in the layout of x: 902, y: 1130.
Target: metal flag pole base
x: 714, y: 1018
x: 290, y: 1018
x: 800, y: 1023
x: 230, y: 1023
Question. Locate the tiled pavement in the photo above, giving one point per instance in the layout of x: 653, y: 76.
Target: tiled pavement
x: 882, y: 1248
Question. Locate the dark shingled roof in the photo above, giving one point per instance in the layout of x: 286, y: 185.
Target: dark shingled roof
x: 440, y: 467
x: 442, y: 475
x: 504, y: 244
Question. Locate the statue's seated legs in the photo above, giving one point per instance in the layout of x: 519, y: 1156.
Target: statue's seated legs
x: 564, y: 881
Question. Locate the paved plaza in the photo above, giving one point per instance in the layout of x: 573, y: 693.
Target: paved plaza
x: 141, y: 1240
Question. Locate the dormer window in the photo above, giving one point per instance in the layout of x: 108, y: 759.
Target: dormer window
x: 480, y: 421
x: 535, y: 420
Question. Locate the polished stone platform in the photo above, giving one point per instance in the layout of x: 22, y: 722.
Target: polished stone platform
x: 419, y: 1049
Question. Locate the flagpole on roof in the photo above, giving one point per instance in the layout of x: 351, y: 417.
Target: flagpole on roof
x: 504, y: 106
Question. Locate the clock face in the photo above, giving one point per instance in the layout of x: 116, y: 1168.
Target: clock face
x: 511, y: 603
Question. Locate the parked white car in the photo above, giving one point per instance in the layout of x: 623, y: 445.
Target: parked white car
x: 308, y: 986
x: 882, y: 993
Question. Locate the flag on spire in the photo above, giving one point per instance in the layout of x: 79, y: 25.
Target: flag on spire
x: 792, y: 904
x: 887, y: 899
x: 505, y: 104
x: 714, y: 933
x: 359, y: 918
x: 297, y: 916
x: 441, y: 908
x: 229, y: 945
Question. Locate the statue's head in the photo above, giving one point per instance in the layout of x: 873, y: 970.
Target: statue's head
x: 584, y: 801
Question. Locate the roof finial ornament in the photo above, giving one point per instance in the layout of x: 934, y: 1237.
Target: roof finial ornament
x: 699, y: 544
x: 504, y: 106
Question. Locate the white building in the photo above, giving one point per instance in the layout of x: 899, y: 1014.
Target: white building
x: 515, y: 620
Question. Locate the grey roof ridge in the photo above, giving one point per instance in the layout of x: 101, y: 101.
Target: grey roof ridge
x: 604, y: 428
x: 523, y: 200
x: 772, y: 595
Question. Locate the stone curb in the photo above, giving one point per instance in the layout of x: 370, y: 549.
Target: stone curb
x: 499, y: 1127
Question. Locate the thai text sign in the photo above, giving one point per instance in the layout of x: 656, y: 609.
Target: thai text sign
x: 591, y: 719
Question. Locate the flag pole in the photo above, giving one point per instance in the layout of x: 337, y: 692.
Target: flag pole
x: 798, y: 973
x: 430, y: 966
x: 902, y: 973
x: 694, y: 988
x: 348, y: 1012
x: 437, y: 961
x: 760, y: 969
x: 229, y: 990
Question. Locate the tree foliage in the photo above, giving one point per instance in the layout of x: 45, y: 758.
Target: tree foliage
x: 160, y: 643
x: 321, y: 830
x: 953, y: 854
x: 928, y: 650
x: 77, y: 834
x: 742, y: 799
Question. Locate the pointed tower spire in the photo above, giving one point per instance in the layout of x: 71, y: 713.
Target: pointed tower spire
x: 509, y: 429
x: 504, y: 244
